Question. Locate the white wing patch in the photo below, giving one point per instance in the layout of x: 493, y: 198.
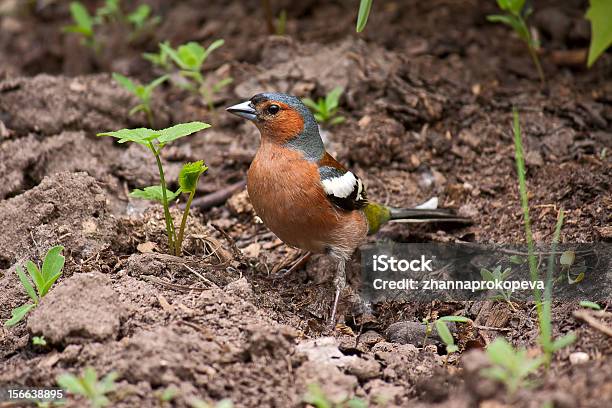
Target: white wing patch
x: 342, y: 186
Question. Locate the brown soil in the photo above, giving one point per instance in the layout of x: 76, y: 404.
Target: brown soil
x: 429, y: 92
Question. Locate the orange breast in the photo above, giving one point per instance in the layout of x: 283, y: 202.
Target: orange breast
x: 286, y: 193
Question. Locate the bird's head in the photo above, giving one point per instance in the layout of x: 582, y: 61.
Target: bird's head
x: 282, y: 119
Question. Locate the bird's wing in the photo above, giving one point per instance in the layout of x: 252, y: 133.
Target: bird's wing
x: 343, y: 188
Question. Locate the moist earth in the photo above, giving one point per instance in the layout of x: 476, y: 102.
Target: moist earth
x: 429, y: 92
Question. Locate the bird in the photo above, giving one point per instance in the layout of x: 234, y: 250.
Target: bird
x: 304, y: 195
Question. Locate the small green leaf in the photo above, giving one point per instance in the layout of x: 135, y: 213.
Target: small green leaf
x: 154, y: 193
x: 191, y: 56
x: 141, y: 135
x: 590, y: 305
x: 215, y: 44
x: 444, y: 332
x: 37, y: 277
x: 125, y: 82
x: 26, y: 284
x: 139, y: 16
x: 486, y: 275
x: 333, y: 97
x: 362, y: 16
x: 178, y: 131
x: 82, y: 18
x: 108, y: 382
x: 500, y: 352
x: 18, y: 314
x: 337, y: 120
x: 517, y: 260
x: 456, y: 319
x: 564, y: 341
x: 71, y: 383
x: 567, y: 258
x: 190, y: 174
x: 53, y: 263
x: 600, y: 16
x: 222, y: 84
x: 311, y: 104
x: 356, y: 403
x: 39, y: 341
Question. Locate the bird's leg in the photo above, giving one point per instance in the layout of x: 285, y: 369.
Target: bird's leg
x: 339, y: 283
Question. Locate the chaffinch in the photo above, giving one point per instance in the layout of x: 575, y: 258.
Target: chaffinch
x: 303, y: 195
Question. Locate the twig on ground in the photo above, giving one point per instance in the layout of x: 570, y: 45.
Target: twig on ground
x: 589, y: 318
x: 218, y: 197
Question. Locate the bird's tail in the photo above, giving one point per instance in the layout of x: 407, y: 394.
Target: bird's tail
x: 378, y: 215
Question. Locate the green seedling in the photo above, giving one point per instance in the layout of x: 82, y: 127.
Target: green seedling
x: 83, y: 25
x: 510, y: 366
x: 317, y: 398
x: 600, y: 15
x: 160, y: 59
x: 43, y: 280
x: 190, y: 59
x: 496, y: 275
x: 362, y: 16
x: 89, y: 386
x: 326, y: 109
x: 590, y: 305
x: 155, y: 141
x: 39, y: 341
x: 543, y: 301
x: 516, y: 17
x: 446, y: 335
x: 142, y: 92
x: 281, y: 23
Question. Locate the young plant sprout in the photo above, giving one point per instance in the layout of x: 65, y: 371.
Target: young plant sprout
x: 543, y: 301
x: 446, y: 335
x: 138, y: 20
x: 190, y: 59
x: 496, y: 275
x: 83, y: 26
x: 510, y: 366
x: 516, y: 17
x: 89, y: 386
x: 326, y: 109
x: 160, y: 59
x: 43, y: 280
x: 281, y: 23
x: 39, y: 341
x: 142, y: 92
x: 155, y: 141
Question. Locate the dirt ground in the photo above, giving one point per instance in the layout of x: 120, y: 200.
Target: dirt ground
x: 429, y: 89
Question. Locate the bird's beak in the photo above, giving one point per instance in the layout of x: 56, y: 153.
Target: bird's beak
x: 244, y: 110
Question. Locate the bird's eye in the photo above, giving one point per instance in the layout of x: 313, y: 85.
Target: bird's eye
x: 273, y: 109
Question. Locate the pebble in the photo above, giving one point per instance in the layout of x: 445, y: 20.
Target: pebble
x: 578, y: 357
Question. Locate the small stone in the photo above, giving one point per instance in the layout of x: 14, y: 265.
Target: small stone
x: 578, y: 357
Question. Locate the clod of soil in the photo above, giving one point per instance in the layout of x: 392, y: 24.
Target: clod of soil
x: 83, y: 308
